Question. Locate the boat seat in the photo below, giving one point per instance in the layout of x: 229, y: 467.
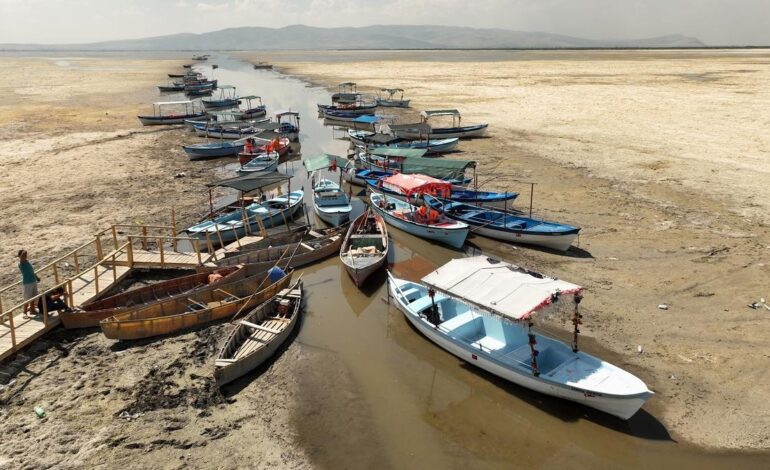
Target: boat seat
x: 409, y: 292
x: 259, y: 327
x: 424, y: 302
x: 458, y: 321
x: 488, y: 343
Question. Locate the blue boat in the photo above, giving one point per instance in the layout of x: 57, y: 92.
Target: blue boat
x: 207, y: 150
x: 507, y: 226
x: 344, y: 115
x: 260, y: 164
x: 374, y: 140
x: 227, y: 98
x: 410, y: 219
x: 358, y: 176
x: 417, y: 185
x: 229, y: 225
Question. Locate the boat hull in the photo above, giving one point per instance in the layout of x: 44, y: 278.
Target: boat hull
x: 166, y: 120
x: 393, y: 103
x: 227, y: 149
x: 554, y: 242
x: 331, y: 216
x: 622, y: 407
x: 445, y: 133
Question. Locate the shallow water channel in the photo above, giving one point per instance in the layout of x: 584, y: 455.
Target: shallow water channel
x: 408, y: 403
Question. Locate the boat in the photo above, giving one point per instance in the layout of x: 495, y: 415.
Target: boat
x: 197, y: 308
x: 420, y: 222
x: 228, y: 131
x: 413, y: 187
x: 344, y: 115
x: 330, y: 203
x: 374, y: 140
x: 346, y: 94
x: 481, y: 310
x: 253, y: 110
x: 258, y: 335
x: 301, y: 234
x: 159, y: 118
x: 358, y: 109
x: 423, y: 130
x: 222, y: 148
x: 187, y: 66
x: 296, y: 254
x: 507, y: 226
x: 227, y: 98
x: 171, y: 87
x: 262, y: 164
x: 391, y: 101
x: 201, y: 57
x: 225, y: 227
x: 262, y: 66
x: 176, y: 75
x: 199, y: 92
x: 365, y: 248
x: 91, y: 313
x: 411, y: 161
x: 359, y: 176
x: 279, y: 145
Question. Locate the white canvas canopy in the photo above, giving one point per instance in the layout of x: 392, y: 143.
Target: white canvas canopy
x: 498, y: 287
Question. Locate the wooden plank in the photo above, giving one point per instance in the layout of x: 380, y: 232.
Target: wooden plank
x: 259, y: 327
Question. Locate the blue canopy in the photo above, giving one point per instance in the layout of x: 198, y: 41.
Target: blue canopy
x: 367, y: 119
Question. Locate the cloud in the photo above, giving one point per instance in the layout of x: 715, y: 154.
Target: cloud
x: 202, y: 6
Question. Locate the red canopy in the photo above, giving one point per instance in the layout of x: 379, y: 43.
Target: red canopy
x: 417, y: 184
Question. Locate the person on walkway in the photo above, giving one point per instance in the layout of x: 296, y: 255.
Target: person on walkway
x: 29, y: 282
x: 54, y: 301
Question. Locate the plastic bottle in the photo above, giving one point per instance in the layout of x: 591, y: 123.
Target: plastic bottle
x: 40, y: 412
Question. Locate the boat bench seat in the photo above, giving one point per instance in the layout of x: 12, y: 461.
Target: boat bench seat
x: 488, y: 343
x: 458, y: 321
x: 409, y: 294
x: 424, y: 302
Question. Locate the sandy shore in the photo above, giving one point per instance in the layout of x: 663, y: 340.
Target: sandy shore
x: 662, y: 159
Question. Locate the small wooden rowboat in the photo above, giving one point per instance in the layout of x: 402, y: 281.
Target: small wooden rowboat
x: 365, y: 248
x: 301, y: 234
x: 257, y: 337
x: 197, y: 308
x: 91, y: 313
x: 295, y: 254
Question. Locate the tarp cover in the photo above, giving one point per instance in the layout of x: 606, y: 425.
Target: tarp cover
x: 398, y: 152
x: 417, y: 184
x: 324, y: 161
x: 367, y: 119
x: 441, y: 112
x: 498, y: 287
x: 250, y: 183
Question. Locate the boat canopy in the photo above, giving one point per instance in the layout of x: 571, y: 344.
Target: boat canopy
x: 347, y: 84
x: 436, y: 167
x: 251, y: 183
x: 416, y: 184
x: 440, y: 112
x: 286, y: 113
x: 498, y: 287
x: 251, y: 97
x: 421, y: 127
x: 398, y: 152
x: 226, y: 87
x: 391, y: 90
x: 367, y: 119
x: 325, y: 160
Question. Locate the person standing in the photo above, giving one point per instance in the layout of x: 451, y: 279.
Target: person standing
x: 29, y: 282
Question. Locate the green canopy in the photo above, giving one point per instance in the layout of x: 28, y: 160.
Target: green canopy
x: 398, y: 152
x: 251, y: 183
x: 319, y: 162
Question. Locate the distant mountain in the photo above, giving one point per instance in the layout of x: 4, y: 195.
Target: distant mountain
x: 367, y: 37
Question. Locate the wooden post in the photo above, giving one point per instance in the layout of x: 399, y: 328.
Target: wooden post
x: 219, y: 236
x: 77, y: 263
x: 114, y: 268
x: 13, y: 330
x: 114, y: 238
x: 173, y: 229
x: 99, y: 252
x: 130, y: 253
x: 209, y: 245
x: 531, y: 196
x: 45, y: 309
x: 55, y: 276
x: 1, y: 309
x: 197, y: 246
x: 162, y: 259
x: 144, y: 237
x: 96, y: 278
x: 70, y: 293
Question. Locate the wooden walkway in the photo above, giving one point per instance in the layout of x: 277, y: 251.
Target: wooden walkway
x: 156, y: 259
x: 83, y: 290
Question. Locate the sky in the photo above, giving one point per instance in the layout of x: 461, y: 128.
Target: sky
x: 715, y: 22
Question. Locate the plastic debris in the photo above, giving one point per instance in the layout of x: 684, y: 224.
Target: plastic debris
x: 181, y: 174
x: 128, y: 416
x: 39, y: 412
x: 639, y: 349
x: 663, y: 306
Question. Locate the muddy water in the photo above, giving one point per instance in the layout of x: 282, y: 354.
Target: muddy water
x: 381, y: 394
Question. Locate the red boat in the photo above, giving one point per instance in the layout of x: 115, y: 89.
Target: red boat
x: 279, y: 145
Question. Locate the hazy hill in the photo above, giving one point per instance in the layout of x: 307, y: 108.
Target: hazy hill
x: 367, y: 37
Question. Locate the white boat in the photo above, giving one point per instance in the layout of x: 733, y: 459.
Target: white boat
x: 391, y: 101
x: 481, y: 311
x: 331, y: 203
x: 259, y: 335
x: 263, y: 163
x: 420, y: 221
x: 423, y: 130
x: 365, y: 248
x: 160, y: 118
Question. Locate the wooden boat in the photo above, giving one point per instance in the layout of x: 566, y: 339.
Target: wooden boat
x: 159, y: 118
x: 262, y: 66
x: 424, y: 131
x: 301, y: 234
x: 222, y: 148
x: 296, y: 254
x: 481, y: 311
x: 419, y: 222
x: 391, y: 101
x: 271, y: 213
x: 261, y: 164
x: 258, y: 335
x: 197, y: 308
x: 200, y: 92
x: 176, y: 75
x: 506, y: 226
x: 373, y: 140
x: 90, y: 314
x: 413, y: 187
x: 281, y: 146
x: 344, y: 115
x: 365, y: 248
x: 171, y: 87
x: 346, y: 94
x: 358, y: 109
